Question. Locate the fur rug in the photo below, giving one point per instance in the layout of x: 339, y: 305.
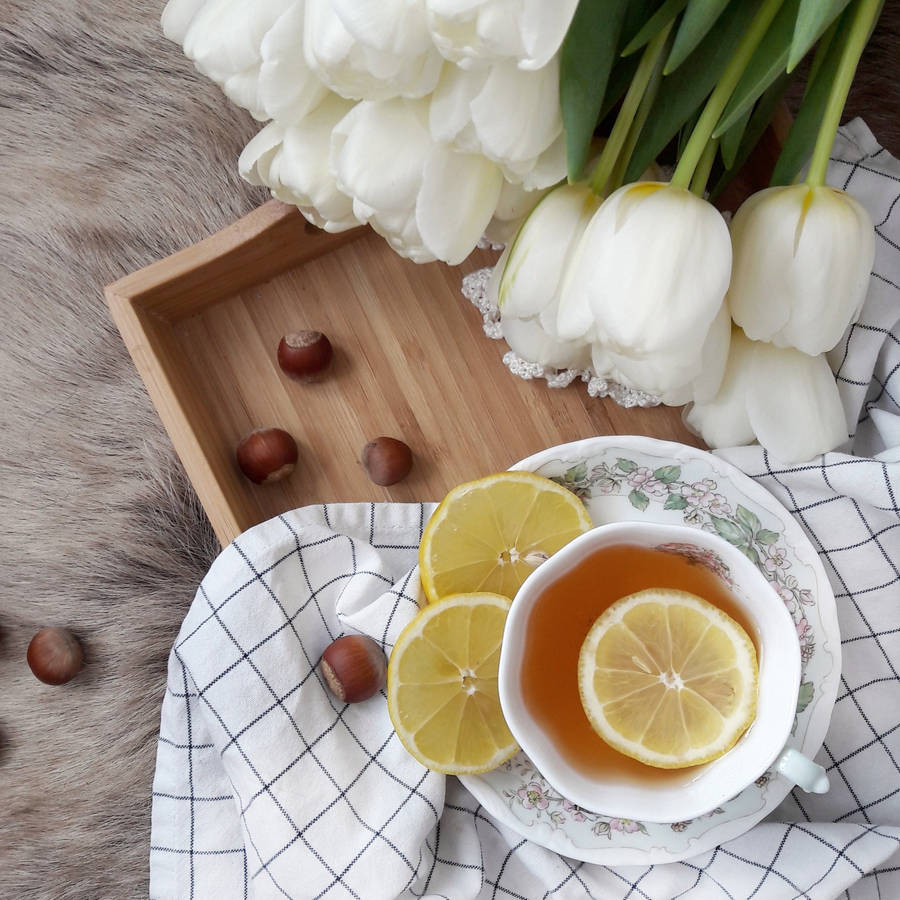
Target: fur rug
x: 113, y: 153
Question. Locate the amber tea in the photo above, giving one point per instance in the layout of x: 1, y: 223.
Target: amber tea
x: 561, y: 617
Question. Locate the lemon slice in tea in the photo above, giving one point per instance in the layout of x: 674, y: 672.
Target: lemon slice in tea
x: 442, y: 685
x: 667, y: 678
x: 490, y: 534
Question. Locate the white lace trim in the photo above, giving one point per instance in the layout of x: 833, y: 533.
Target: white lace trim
x: 474, y: 289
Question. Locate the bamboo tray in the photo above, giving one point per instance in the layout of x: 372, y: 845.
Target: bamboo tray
x: 411, y: 361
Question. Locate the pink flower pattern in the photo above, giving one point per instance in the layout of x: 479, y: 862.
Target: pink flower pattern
x: 533, y: 796
x: 642, y: 479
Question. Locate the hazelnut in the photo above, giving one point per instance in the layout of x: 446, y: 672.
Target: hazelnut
x: 354, y: 667
x: 305, y: 355
x: 387, y: 460
x: 267, y: 454
x: 55, y: 656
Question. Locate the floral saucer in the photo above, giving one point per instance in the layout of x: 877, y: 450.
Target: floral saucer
x: 621, y: 478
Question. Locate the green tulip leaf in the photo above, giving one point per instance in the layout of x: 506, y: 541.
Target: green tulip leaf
x: 623, y: 70
x: 619, y: 80
x: 730, y: 143
x: 813, y: 18
x: 767, y: 63
x: 586, y: 61
x: 637, y: 13
x: 756, y: 126
x: 654, y: 25
x: 699, y: 17
x: 802, y: 138
x: 684, y: 91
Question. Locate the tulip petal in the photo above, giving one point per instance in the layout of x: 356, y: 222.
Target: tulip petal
x: 713, y: 360
x: 397, y: 27
x: 378, y: 152
x: 177, y: 17
x: 541, y: 251
x: 514, y: 205
x: 653, y: 267
x: 256, y: 159
x: 549, y: 168
x: 528, y: 340
x: 303, y: 167
x: 681, y: 375
x: 793, y: 404
x: 358, y: 70
x: 802, y: 261
x: 224, y: 37
x: 288, y: 90
x: 451, y: 103
x: 457, y: 199
x: 516, y: 114
x: 724, y: 420
x: 544, y: 26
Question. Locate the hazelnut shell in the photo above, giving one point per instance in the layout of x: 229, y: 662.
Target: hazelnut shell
x: 387, y: 460
x: 55, y: 656
x: 305, y: 355
x: 354, y: 668
x: 267, y: 455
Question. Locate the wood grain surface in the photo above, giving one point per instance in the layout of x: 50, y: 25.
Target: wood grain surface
x: 411, y: 362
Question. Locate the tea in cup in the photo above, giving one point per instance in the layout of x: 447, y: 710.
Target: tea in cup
x: 551, y: 616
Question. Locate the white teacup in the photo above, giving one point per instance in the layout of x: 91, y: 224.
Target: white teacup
x: 695, y: 791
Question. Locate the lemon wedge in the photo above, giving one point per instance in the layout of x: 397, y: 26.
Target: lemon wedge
x: 490, y: 534
x: 668, y: 679
x: 442, y: 685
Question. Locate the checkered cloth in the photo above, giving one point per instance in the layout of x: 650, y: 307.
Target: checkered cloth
x: 267, y: 786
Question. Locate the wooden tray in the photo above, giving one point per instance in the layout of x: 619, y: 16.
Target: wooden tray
x: 411, y: 361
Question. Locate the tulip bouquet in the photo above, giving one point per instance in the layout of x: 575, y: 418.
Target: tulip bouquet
x: 539, y: 125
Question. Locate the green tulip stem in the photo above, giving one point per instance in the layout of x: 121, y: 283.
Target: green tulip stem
x: 718, y: 99
x: 616, y: 140
x: 864, y: 18
x: 637, y: 126
x: 704, y: 167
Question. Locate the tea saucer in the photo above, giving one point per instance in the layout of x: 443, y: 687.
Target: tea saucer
x: 638, y: 478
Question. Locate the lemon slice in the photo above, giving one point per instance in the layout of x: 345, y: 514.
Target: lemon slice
x: 490, y: 534
x: 667, y: 678
x: 442, y: 685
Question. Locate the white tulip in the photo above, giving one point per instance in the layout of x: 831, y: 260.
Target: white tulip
x: 802, y: 260
x: 288, y: 89
x: 429, y: 201
x: 527, y: 279
x: 292, y: 161
x: 514, y: 204
x: 368, y: 50
x: 509, y: 115
x: 783, y: 398
x: 647, y: 280
x: 224, y: 39
x: 678, y: 376
x: 177, y: 17
x: 529, y: 32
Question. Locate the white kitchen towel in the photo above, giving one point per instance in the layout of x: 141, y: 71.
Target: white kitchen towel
x: 267, y: 786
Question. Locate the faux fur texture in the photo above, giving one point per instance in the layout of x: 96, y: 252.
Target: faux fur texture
x: 113, y: 153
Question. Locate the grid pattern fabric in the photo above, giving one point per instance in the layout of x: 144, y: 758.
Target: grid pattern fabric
x: 267, y: 786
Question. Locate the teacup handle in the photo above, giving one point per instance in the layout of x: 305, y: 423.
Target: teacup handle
x: 803, y: 772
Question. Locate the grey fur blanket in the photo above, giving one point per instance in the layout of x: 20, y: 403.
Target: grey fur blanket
x: 114, y: 153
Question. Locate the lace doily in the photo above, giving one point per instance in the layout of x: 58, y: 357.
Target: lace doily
x: 474, y: 289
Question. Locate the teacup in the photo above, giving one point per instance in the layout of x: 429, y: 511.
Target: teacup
x: 642, y: 793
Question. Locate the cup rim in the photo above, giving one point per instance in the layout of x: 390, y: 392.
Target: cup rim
x: 711, y: 784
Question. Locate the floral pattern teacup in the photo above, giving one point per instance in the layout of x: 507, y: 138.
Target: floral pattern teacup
x: 627, y: 803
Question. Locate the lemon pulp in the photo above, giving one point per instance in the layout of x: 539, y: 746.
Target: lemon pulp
x: 442, y: 685
x: 667, y: 678
x: 490, y: 534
